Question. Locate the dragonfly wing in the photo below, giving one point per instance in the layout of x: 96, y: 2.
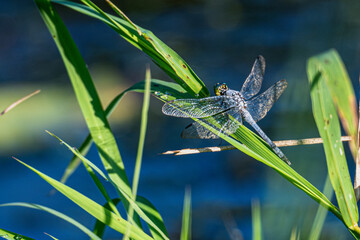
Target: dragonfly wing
x: 221, y: 122
x: 260, y: 105
x: 253, y: 82
x: 198, y: 108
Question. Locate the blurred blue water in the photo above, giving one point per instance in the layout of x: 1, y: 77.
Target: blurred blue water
x: 220, y: 40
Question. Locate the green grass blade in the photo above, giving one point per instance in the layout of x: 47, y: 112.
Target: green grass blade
x: 144, y: 117
x: 154, y: 215
x: 186, y: 218
x: 55, y: 213
x: 341, y: 90
x: 148, y: 208
x: 163, y: 89
x: 255, y: 147
x: 51, y: 236
x: 89, y: 166
x: 87, y: 98
x: 328, y: 125
x: 11, y: 235
x: 162, y: 55
x: 96, y: 210
x: 99, y: 227
x: 256, y: 220
x: 252, y: 145
x: 78, y: 154
x: 321, y: 213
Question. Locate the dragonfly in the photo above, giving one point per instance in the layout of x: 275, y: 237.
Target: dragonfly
x: 227, y: 110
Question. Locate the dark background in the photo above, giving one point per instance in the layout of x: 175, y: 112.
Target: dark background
x: 219, y: 40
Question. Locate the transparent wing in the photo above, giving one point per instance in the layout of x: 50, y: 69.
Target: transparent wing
x: 198, y: 108
x: 260, y: 105
x: 253, y: 82
x: 222, y: 122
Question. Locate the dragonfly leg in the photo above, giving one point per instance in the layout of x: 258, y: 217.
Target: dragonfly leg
x: 278, y: 152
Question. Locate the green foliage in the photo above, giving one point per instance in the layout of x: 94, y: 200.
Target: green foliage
x: 256, y: 220
x: 323, y: 85
x: 186, y: 218
x: 331, y: 92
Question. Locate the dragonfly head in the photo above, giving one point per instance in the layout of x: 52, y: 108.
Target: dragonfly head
x: 220, y: 89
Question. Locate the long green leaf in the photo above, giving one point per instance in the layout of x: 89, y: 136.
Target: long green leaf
x: 55, y: 213
x: 99, y: 227
x: 186, y: 218
x: 341, y: 90
x: 89, y: 166
x: 162, y: 89
x: 154, y: 215
x: 321, y: 213
x: 162, y: 55
x: 150, y: 211
x: 256, y: 220
x: 96, y: 210
x: 328, y: 125
x: 138, y: 161
x: 87, y: 98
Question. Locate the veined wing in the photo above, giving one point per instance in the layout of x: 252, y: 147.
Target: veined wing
x: 253, y: 82
x: 221, y: 122
x: 198, y: 108
x: 260, y: 105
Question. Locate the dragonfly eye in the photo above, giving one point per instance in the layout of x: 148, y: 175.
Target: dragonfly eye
x: 220, y: 89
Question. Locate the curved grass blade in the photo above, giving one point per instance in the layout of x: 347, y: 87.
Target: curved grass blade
x: 321, y: 213
x: 99, y: 227
x: 154, y: 215
x: 334, y: 73
x: 55, y: 213
x: 87, y: 98
x: 162, y: 89
x: 252, y: 145
x: 89, y: 166
x: 186, y: 218
x: 328, y: 125
x: 96, y: 210
x: 148, y: 208
x: 147, y: 42
x: 138, y: 161
x: 11, y: 235
x: 51, y: 236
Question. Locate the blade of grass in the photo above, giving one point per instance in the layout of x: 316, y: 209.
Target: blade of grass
x: 87, y: 98
x: 329, y: 128
x: 144, y: 117
x: 11, y: 235
x: 337, y: 80
x: 154, y: 215
x: 55, y: 213
x: 165, y: 90
x: 102, y: 214
x: 163, y: 56
x: 186, y: 218
x: 51, y: 236
x: 256, y: 220
x: 89, y: 166
x: 148, y: 209
x: 321, y: 213
x: 99, y: 227
x: 252, y: 145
